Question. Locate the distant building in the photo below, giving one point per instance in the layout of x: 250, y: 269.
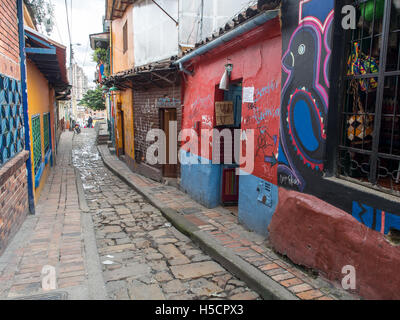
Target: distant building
x: 79, y: 82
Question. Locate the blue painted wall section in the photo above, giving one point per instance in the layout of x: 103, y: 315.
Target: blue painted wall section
x: 201, y: 181
x: 257, y: 203
x: 375, y: 219
x: 25, y: 103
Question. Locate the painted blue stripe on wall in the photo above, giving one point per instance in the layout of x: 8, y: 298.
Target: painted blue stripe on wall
x: 201, y: 181
x: 254, y: 214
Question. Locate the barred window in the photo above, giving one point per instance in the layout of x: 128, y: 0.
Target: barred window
x: 369, y: 147
x: 37, y: 143
x: 11, y: 119
x: 46, y: 132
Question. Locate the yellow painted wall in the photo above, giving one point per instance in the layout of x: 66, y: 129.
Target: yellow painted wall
x: 122, y: 61
x: 39, y: 102
x: 127, y: 100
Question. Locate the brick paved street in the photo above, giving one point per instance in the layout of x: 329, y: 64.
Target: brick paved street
x: 142, y: 255
x: 52, y: 237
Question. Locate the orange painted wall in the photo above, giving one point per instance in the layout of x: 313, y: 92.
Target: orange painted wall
x: 122, y: 61
x: 40, y: 101
x: 126, y: 100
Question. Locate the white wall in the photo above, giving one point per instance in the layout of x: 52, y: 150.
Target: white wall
x: 155, y: 35
x: 216, y: 13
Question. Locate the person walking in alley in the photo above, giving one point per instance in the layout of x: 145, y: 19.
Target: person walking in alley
x: 90, y: 122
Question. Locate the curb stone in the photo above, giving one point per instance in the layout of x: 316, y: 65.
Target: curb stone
x: 97, y: 288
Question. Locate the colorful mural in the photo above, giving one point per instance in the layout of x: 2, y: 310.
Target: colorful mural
x: 304, y: 104
x: 375, y: 219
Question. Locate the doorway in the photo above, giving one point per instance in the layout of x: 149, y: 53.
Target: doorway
x: 121, y: 115
x: 169, y: 170
x: 230, y: 181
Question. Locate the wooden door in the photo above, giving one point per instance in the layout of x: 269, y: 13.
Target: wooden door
x: 230, y: 186
x: 123, y: 132
x: 169, y: 170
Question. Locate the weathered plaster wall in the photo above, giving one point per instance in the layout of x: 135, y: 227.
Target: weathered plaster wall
x: 122, y: 60
x: 317, y: 235
x: 39, y: 102
x: 202, y: 182
x: 255, y: 57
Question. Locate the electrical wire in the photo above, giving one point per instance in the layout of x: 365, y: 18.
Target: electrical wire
x: 71, y: 16
x: 56, y: 24
x: 69, y: 30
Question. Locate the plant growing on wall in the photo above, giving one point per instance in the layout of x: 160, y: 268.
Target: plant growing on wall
x: 94, y: 99
x: 42, y: 12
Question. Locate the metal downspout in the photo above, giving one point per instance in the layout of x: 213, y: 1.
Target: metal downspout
x: 21, y: 33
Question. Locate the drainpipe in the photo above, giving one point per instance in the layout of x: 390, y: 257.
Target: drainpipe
x: 243, y: 28
x: 111, y: 98
x: 21, y: 33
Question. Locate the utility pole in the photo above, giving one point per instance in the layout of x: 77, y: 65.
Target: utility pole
x: 69, y: 34
x: 201, y: 19
x: 72, y: 105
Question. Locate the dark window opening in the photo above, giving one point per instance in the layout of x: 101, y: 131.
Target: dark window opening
x: 394, y: 236
x: 369, y: 145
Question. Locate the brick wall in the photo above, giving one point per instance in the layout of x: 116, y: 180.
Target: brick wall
x: 13, y: 182
x: 13, y: 197
x: 147, y: 112
x: 9, y: 41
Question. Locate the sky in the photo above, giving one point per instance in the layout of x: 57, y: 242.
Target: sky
x: 86, y: 18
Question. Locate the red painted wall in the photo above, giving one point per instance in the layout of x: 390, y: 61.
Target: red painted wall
x: 325, y: 238
x: 256, y: 58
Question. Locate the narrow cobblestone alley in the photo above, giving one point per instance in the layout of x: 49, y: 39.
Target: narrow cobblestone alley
x: 142, y: 255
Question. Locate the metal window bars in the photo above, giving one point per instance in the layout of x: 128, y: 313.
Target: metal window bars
x: 369, y: 149
x: 11, y: 119
x: 46, y: 132
x: 37, y: 143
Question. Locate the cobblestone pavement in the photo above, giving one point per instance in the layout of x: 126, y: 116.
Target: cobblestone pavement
x: 142, y: 255
x: 51, y: 237
x: 222, y: 226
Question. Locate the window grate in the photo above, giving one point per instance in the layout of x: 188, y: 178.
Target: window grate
x: 11, y: 119
x: 37, y: 143
x: 369, y: 149
x: 46, y: 132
